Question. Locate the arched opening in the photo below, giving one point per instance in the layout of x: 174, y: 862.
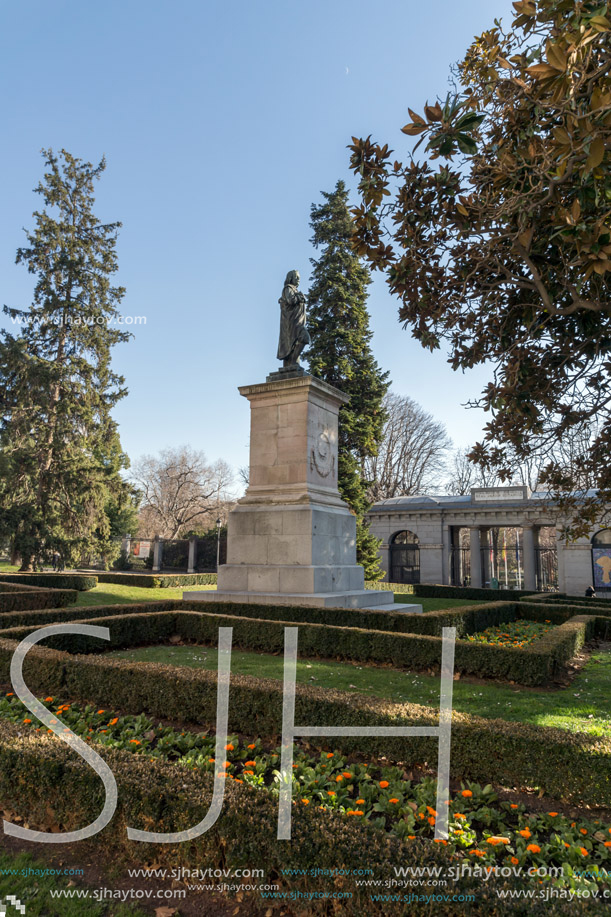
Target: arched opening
x: 404, y: 558
x: 601, y: 561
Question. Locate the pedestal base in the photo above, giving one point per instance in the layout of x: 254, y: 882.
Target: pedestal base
x: 363, y: 599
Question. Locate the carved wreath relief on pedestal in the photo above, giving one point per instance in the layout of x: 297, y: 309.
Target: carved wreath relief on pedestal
x: 321, y: 455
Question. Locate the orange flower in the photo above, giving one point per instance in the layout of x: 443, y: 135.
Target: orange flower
x: 227, y: 764
x: 360, y: 802
x: 330, y: 754
x: 358, y: 812
x: 347, y: 775
x: 514, y: 861
x: 495, y: 841
x: 607, y: 844
x: 134, y: 742
x: 411, y: 837
x: 477, y: 853
x: 383, y: 784
x: 250, y: 763
x: 440, y: 840
x: 306, y: 802
x: 339, y: 778
x: 583, y: 830
x: 229, y: 747
x: 534, y: 848
x: 249, y: 773
x: 466, y: 793
x: 238, y: 781
x: 211, y: 760
x: 431, y: 820
x: 525, y: 832
x: 114, y: 722
x: 459, y: 831
x: 100, y: 711
x: 431, y: 811
x: 553, y: 814
x: 11, y: 694
x: 330, y: 793
x: 584, y: 852
x: 27, y: 721
x: 48, y: 700
x: 103, y: 730
x: 513, y: 805
x: 394, y: 801
x: 251, y: 746
x: 459, y: 815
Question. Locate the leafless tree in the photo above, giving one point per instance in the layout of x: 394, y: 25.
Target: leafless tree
x: 464, y: 475
x: 411, y: 458
x: 181, y: 489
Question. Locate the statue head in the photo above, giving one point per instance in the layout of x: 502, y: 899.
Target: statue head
x: 292, y: 278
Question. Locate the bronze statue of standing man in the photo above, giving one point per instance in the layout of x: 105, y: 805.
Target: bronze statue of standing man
x: 293, y: 332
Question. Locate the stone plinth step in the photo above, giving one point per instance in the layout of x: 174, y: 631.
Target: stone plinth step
x: 363, y: 599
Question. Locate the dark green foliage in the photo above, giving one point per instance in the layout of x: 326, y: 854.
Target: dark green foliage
x: 23, y: 598
x: 61, y: 485
x: 449, y: 592
x: 482, y: 750
x: 83, y: 582
x: 161, y: 796
x: 340, y: 354
x: 158, y: 580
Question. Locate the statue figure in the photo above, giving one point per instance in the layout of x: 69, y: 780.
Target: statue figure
x: 293, y: 332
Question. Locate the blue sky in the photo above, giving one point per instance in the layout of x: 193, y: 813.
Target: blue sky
x: 221, y: 124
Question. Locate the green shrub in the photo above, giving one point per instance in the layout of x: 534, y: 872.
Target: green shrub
x: 83, y: 582
x: 449, y: 592
x: 566, y: 765
x: 17, y: 597
x: 158, y: 580
x: 157, y: 795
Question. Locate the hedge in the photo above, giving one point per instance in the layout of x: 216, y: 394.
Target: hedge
x: 448, y: 592
x: 158, y: 580
x: 80, y: 581
x: 535, y: 664
x: 18, y: 597
x: 397, y: 622
x: 157, y: 795
x: 569, y: 766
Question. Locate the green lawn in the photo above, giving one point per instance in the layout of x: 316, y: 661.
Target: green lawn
x: 585, y: 706
x: 115, y: 594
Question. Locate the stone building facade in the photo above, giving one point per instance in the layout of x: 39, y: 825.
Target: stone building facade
x: 505, y: 536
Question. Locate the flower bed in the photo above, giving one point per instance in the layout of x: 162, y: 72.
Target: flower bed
x: 516, y: 633
x: 495, y: 832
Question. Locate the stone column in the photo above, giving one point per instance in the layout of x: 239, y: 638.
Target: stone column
x: 192, y: 555
x: 476, y: 557
x: 126, y: 544
x: 528, y: 553
x: 157, y: 554
x: 446, y: 555
x: 484, y: 534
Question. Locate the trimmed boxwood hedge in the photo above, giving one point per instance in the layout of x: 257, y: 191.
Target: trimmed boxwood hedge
x: 449, y: 592
x: 567, y: 765
x: 19, y: 597
x: 158, y: 580
x: 83, y: 582
x: 535, y: 664
x: 157, y: 795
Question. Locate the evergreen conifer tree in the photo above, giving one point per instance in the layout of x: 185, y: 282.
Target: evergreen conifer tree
x: 340, y: 354
x: 61, y: 451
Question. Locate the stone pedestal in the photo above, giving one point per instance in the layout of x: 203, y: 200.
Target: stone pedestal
x: 291, y: 539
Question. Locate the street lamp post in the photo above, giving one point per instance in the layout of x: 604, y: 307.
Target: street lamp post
x: 218, y: 543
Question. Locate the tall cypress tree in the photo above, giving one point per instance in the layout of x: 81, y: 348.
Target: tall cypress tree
x: 61, y: 449
x: 340, y: 353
